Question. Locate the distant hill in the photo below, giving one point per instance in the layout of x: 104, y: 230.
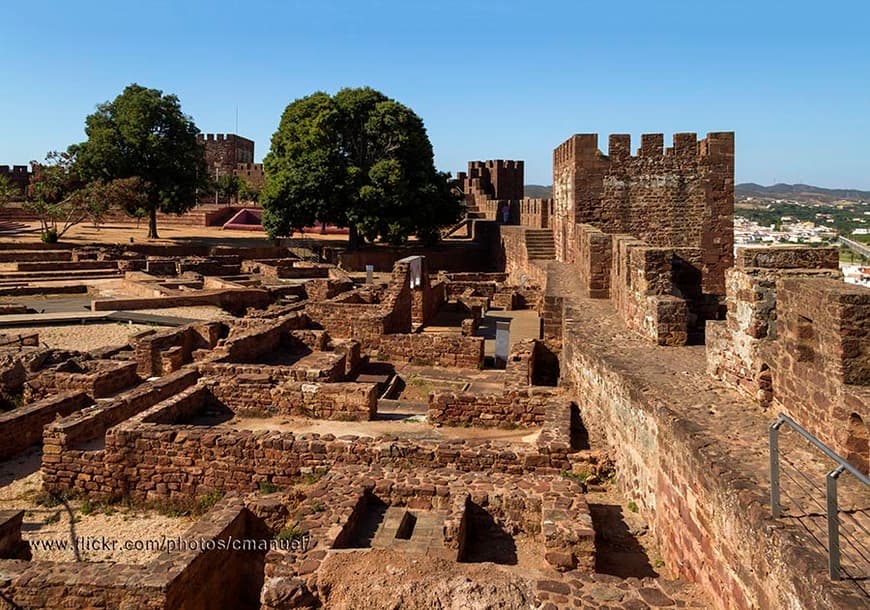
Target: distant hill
x: 538, y: 191
x: 799, y: 192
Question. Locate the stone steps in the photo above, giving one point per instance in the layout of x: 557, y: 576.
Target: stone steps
x: 423, y: 530
x: 540, y: 244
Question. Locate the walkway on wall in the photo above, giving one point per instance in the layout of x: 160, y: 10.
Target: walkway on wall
x: 730, y: 431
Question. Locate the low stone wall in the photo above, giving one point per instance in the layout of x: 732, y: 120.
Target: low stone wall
x: 156, y: 354
x: 263, y: 394
x: 322, y: 290
x: 192, y: 579
x: 66, y: 466
x: 22, y: 427
x: 445, y: 256
x: 550, y: 509
x: 286, y: 268
x: 519, y: 369
x: 98, y: 378
x: 433, y: 349
x: 235, y: 300
x: 148, y: 461
x: 513, y: 408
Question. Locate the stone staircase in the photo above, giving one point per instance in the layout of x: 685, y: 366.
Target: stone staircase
x: 411, y: 531
x: 540, y: 244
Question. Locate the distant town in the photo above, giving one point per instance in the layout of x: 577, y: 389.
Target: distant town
x: 844, y: 223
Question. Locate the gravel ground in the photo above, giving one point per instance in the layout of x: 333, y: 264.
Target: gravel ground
x: 82, y: 337
x: 206, y: 312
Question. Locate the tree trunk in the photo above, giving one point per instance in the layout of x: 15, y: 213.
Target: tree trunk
x: 152, y: 224
x: 352, y: 237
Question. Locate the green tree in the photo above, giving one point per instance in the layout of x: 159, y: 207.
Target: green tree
x: 357, y: 159
x: 248, y: 191
x: 7, y: 190
x: 228, y: 186
x: 144, y: 134
x: 61, y: 199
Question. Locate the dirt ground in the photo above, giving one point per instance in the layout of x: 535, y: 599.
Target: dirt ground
x: 121, y: 233
x: 82, y: 337
x: 388, y: 579
x: 407, y: 426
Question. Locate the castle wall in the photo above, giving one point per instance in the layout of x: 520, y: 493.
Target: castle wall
x: 705, y: 495
x: 735, y: 345
x: 681, y: 196
x: 18, y: 176
x: 820, y: 362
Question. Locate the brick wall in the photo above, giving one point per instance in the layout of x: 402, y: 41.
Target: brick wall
x: 156, y: 460
x: 355, y: 315
x: 433, y: 349
x: 642, y: 291
x: 734, y: 345
x: 191, y: 579
x: 22, y: 427
x: 594, y: 260
x: 526, y: 407
x: 235, y: 300
x: 682, y: 196
x: 150, y: 348
x: 263, y: 394
x: 66, y: 465
x: 98, y: 378
x: 820, y: 362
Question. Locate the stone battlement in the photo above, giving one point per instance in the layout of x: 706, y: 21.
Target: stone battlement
x: 651, y: 145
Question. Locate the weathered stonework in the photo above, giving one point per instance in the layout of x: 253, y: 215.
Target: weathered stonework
x: 682, y: 196
x: 734, y: 346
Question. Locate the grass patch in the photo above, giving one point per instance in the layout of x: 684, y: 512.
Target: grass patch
x: 187, y: 507
x: 577, y: 476
x: 313, y: 477
x: 266, y: 486
x: 291, y: 532
x: 632, y: 506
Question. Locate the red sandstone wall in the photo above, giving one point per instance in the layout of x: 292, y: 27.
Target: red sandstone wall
x: 513, y: 408
x: 712, y: 522
x: 820, y: 362
x: 679, y: 197
x: 22, y: 427
x: 735, y: 345
x: 642, y: 291
x: 433, y: 349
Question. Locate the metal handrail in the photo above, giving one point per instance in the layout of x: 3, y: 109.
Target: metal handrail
x: 831, y: 479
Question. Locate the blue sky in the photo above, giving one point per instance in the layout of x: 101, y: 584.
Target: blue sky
x: 495, y: 79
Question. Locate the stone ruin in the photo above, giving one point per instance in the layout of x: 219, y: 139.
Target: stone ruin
x: 347, y: 428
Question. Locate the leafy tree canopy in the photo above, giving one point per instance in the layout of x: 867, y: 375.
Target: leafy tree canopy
x: 144, y: 134
x: 61, y: 199
x: 7, y: 190
x: 357, y: 159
